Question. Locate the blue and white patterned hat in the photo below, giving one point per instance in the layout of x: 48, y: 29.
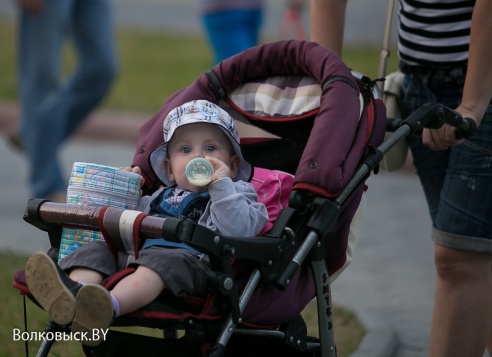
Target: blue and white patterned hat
x: 198, y: 111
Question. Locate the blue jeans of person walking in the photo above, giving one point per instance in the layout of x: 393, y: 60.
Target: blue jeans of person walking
x: 456, y: 181
x: 233, y: 31
x: 52, y: 107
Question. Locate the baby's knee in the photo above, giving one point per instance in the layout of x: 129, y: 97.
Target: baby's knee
x: 85, y: 275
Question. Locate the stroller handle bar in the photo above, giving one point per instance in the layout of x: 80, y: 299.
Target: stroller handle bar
x: 431, y: 115
x: 434, y: 116
x: 466, y: 129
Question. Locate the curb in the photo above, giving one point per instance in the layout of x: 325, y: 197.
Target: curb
x: 106, y: 125
x: 103, y: 125
x: 380, y: 340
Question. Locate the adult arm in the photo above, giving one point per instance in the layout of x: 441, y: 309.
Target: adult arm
x: 327, y: 23
x: 478, y: 84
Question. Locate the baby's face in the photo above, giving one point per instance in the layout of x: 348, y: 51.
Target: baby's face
x: 192, y: 141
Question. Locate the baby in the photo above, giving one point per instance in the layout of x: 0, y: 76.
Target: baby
x: 228, y: 205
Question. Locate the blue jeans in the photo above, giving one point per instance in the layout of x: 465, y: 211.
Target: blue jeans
x: 232, y: 31
x: 457, y: 182
x: 53, y: 109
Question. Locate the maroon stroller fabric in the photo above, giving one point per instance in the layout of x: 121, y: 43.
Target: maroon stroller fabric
x: 324, y: 142
x: 338, y: 138
x: 334, y: 136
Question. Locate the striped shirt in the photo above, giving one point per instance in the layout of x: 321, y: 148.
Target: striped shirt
x: 434, y: 33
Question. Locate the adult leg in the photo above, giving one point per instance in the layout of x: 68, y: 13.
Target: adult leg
x: 459, y: 194
x: 40, y: 42
x: 252, y: 25
x: 97, y: 66
x: 462, y: 320
x: 489, y: 344
x: 430, y: 165
x: 462, y: 315
x: 232, y: 31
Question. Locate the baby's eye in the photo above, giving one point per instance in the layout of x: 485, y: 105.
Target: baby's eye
x: 185, y: 150
x: 210, y: 148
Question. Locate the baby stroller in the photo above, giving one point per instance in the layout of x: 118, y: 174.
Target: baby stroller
x: 328, y: 122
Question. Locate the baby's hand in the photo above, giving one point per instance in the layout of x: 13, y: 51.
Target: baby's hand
x: 221, y: 170
x: 136, y: 170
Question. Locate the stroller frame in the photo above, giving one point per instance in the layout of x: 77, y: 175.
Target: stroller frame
x: 46, y: 216
x: 280, y: 254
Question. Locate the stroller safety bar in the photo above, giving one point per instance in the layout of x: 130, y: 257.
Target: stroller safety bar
x: 268, y: 251
x: 50, y: 216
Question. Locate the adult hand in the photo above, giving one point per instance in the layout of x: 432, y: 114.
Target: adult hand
x: 444, y: 137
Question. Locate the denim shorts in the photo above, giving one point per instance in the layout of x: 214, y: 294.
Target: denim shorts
x: 457, y: 182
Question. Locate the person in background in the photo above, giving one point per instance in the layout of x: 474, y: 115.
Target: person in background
x: 445, y: 52
x: 52, y: 109
x: 292, y: 25
x: 231, y: 25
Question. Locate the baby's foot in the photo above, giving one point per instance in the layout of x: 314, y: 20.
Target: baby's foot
x: 93, y: 314
x: 51, y: 288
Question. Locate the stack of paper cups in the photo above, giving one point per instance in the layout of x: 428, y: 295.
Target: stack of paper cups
x: 97, y: 185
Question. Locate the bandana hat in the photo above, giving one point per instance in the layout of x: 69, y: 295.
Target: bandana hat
x: 198, y: 111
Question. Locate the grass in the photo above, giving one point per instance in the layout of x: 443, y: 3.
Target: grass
x: 153, y: 65
x: 348, y: 330
x: 11, y: 316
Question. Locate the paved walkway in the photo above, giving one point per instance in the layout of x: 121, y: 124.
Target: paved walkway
x: 389, y: 284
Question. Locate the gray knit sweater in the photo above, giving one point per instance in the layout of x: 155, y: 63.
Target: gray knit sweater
x: 232, y: 210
